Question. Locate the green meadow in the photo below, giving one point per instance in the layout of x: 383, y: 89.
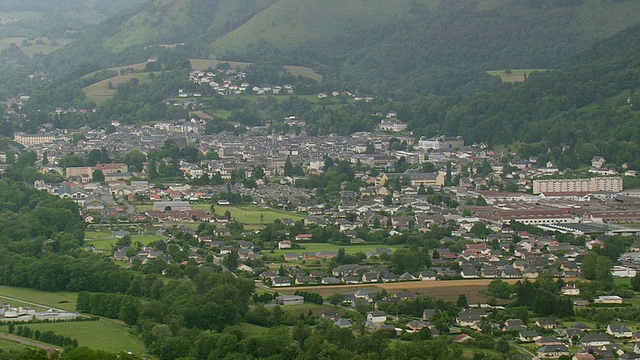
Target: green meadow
x: 102, y: 335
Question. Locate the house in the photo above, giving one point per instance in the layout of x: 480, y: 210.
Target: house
x: 595, y: 340
x: 469, y: 317
x: 304, y: 237
x: 281, y: 281
x: 285, y: 244
x: 416, y: 325
x: 619, y: 331
x: 548, y: 340
x: 547, y: 323
x: 377, y: 317
x: 286, y: 300
x: 553, y: 351
x: 570, y: 290
x: 528, y: 336
x: 427, y: 275
x: 291, y: 257
x: 462, y: 338
x: 343, y: 323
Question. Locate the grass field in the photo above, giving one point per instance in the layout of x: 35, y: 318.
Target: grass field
x: 316, y: 247
x: 100, y: 92
x: 102, y: 335
x: 252, y: 214
x: 245, y: 214
x: 106, y: 243
x: 516, y: 75
x: 12, y: 346
x: 46, y: 47
x: 62, y: 299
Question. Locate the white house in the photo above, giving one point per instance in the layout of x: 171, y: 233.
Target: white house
x: 619, y: 331
x: 377, y: 317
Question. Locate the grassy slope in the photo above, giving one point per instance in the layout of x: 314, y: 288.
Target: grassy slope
x: 100, y: 92
x: 145, y: 27
x: 291, y: 22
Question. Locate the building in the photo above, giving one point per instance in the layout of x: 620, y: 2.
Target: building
x: 440, y: 142
x: 34, y: 139
x: 392, y: 125
x: 596, y: 184
x: 286, y: 300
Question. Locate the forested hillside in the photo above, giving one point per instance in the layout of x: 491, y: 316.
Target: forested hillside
x: 372, y: 42
x: 60, y: 17
x: 586, y: 109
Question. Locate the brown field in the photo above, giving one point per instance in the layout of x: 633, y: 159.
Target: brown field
x: 446, y: 290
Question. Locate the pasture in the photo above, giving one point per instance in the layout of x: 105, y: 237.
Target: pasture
x: 102, y: 335
x: 62, y: 299
x: 101, y: 91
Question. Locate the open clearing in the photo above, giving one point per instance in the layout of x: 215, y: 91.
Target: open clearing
x: 44, y: 45
x: 516, y: 75
x: 102, y: 335
x: 62, y: 299
x: 100, y: 92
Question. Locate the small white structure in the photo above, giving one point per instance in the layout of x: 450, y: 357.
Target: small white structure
x: 623, y: 271
x: 286, y: 300
x: 608, y: 299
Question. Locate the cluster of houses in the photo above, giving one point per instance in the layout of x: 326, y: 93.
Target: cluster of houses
x: 553, y: 340
x: 231, y: 82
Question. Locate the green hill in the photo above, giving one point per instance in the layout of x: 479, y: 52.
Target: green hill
x: 398, y: 43
x: 587, y: 108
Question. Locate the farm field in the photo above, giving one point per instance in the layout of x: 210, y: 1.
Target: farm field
x: 102, y: 335
x: 516, y: 75
x: 446, y: 290
x: 63, y: 299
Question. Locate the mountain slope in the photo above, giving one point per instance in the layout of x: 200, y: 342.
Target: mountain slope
x: 588, y: 108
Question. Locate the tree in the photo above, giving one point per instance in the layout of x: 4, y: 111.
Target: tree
x: 288, y: 167
x: 502, y: 345
x: 98, y: 176
x: 462, y: 301
x: 480, y: 201
x: 635, y: 282
x: 335, y: 299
